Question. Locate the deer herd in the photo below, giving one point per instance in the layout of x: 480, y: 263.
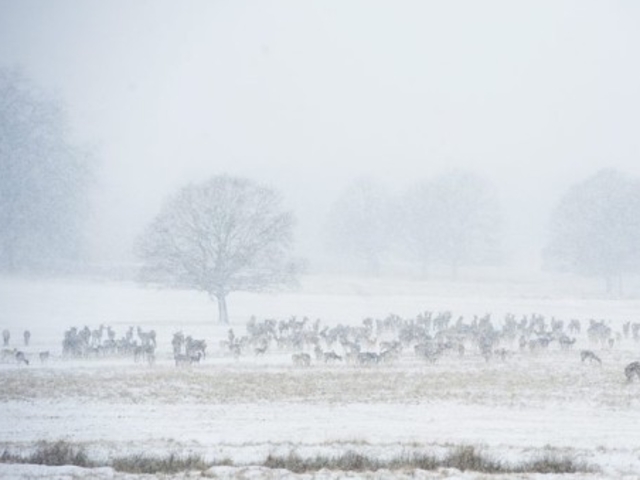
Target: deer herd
x: 429, y: 337
x: 103, y: 343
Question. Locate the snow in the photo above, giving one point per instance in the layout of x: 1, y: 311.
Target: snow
x: 244, y: 409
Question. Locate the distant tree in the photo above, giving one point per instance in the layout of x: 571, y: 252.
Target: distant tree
x: 452, y: 220
x: 44, y: 180
x: 595, y: 229
x: 224, y: 235
x: 358, y: 225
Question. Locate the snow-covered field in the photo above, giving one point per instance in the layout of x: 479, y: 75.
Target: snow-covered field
x: 243, y: 409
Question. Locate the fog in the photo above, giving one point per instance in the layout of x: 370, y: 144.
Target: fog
x: 308, y: 96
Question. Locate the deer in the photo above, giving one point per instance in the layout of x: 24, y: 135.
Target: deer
x: 21, y: 358
x: 186, y: 360
x: 332, y: 357
x: 301, y: 359
x: 589, y: 355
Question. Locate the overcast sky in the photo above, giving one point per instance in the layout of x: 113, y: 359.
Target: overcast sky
x: 306, y: 96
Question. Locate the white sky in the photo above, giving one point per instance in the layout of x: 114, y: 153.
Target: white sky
x: 307, y: 96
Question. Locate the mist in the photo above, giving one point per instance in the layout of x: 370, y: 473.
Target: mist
x: 294, y: 238
x: 307, y: 97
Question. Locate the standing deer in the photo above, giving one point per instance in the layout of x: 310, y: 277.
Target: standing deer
x: 301, y: 359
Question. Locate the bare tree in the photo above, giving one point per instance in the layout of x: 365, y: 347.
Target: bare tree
x: 224, y: 235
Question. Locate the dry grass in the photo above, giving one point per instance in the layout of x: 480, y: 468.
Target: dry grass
x: 557, y: 376
x: 51, y: 453
x: 171, y: 463
x: 463, y: 458
x: 551, y: 463
x: 531, y: 380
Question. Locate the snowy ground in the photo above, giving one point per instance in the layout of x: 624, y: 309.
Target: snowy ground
x: 244, y: 409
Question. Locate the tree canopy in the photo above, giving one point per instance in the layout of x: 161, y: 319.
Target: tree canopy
x: 44, y: 180
x: 453, y: 220
x: 359, y: 224
x: 595, y: 228
x: 223, y: 235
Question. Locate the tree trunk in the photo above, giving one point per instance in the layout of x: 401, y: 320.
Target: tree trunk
x: 223, y: 315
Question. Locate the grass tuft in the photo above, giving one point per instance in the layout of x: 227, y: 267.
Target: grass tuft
x: 51, y: 453
x: 170, y: 464
x: 416, y: 460
x: 349, y: 461
x: 467, y: 458
x: 550, y: 463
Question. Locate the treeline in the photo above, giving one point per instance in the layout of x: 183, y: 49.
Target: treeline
x: 231, y: 233
x: 455, y: 220
x: 451, y: 220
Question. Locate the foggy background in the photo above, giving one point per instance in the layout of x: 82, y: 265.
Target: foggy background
x: 310, y: 96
